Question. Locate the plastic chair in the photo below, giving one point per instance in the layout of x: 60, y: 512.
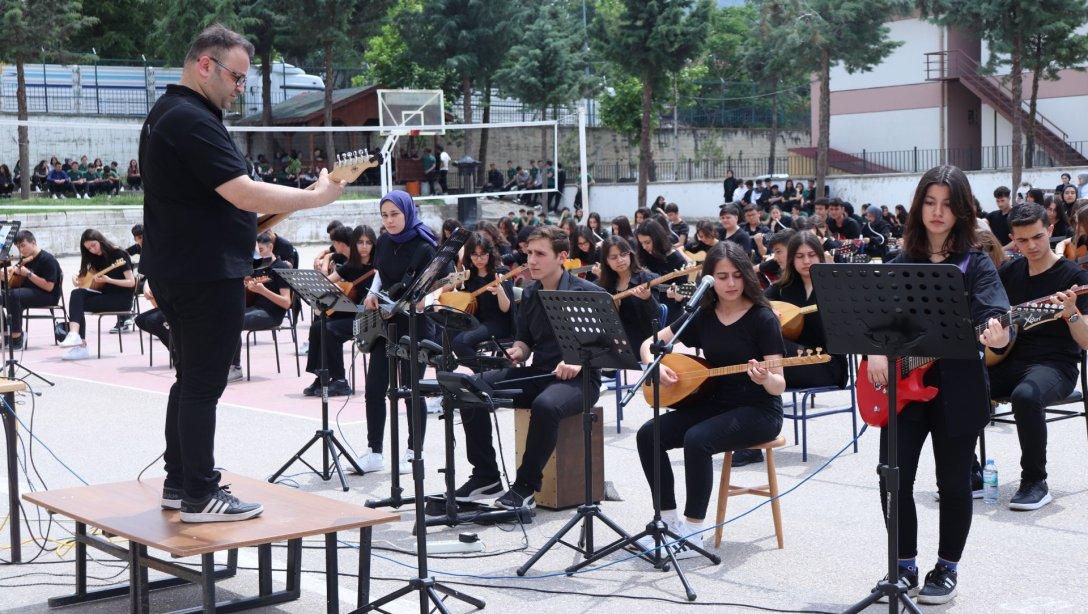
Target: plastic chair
x: 802, y: 414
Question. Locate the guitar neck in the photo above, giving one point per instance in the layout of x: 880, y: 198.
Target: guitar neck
x: 657, y: 281
x: 363, y: 277
x: 498, y: 280
x: 794, y: 361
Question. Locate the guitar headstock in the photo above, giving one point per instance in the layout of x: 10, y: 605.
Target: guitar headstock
x: 1034, y: 314
x: 350, y: 165
x: 682, y: 290
x: 810, y: 357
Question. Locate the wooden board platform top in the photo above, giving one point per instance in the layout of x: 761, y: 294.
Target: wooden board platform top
x: 131, y: 510
x: 11, y: 385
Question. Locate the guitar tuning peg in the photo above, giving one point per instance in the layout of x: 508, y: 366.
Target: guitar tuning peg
x: 819, y: 351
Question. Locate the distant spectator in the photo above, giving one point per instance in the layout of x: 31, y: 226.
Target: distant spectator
x: 132, y: 176
x: 1082, y: 185
x: 729, y: 185
x: 443, y: 168
x: 38, y: 179
x: 1067, y: 179
x: 494, y: 179
x: 554, y: 198
x: 60, y: 184
x: 293, y: 170
x: 430, y: 169
x: 7, y: 182
x: 81, y: 178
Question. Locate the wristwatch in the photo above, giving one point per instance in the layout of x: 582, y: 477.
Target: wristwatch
x: 1073, y: 318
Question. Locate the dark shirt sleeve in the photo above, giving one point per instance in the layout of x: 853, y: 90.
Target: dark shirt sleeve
x: 768, y: 334
x: 521, y: 321
x: 773, y: 293
x: 690, y: 336
x: 988, y: 298
x: 212, y: 157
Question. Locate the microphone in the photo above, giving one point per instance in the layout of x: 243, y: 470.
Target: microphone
x: 705, y: 284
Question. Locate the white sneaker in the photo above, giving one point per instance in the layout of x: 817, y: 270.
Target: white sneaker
x: 304, y: 349
x: 55, y: 197
x: 685, y: 530
x: 234, y: 374
x: 77, y: 353
x: 71, y: 340
x: 371, y: 461
x: 406, y: 462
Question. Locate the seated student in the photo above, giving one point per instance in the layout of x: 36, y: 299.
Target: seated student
x: 657, y: 254
x: 770, y: 270
x: 41, y: 285
x: 584, y: 248
x: 621, y: 227
x: 132, y: 250
x: 779, y: 221
x: 620, y: 272
x: 357, y: 248
x: 115, y: 294
x: 498, y: 238
x: 153, y: 320
x: 876, y: 233
x: 549, y: 400
x: 329, y: 258
x: 495, y: 307
x: 732, y: 412
x: 266, y: 302
x: 494, y: 179
x: 1056, y: 218
x: 706, y: 237
x: 678, y: 226
x: 729, y: 216
x: 1042, y: 365
x: 59, y: 182
x: 82, y: 180
x: 593, y: 222
x: 7, y: 182
x: 641, y: 215
x: 132, y: 177
x: 112, y: 180
x: 839, y: 225
x: 283, y: 249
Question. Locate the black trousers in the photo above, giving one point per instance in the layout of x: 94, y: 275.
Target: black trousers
x: 377, y: 385
x: 254, y: 318
x: 702, y: 432
x: 24, y: 297
x: 205, y: 319
x: 1031, y: 387
x: 81, y: 301
x: 154, y: 321
x: 464, y: 344
x: 61, y: 188
x: 548, y: 400
x: 338, y: 331
x: 954, y: 457
x: 442, y: 178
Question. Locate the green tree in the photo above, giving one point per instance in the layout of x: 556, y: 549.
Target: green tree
x: 264, y: 20
x: 728, y: 32
x: 650, y: 39
x: 832, y: 32
x: 116, y: 35
x: 29, y: 36
x: 391, y: 63
x: 1052, y: 47
x: 178, y: 22
x: 621, y: 108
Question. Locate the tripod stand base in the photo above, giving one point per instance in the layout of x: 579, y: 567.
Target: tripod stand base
x: 331, y: 446
x: 896, y: 594
x: 428, y: 590
x: 470, y: 513
x: 585, y: 514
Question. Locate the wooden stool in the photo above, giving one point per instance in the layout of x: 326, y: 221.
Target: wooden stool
x: 726, y: 490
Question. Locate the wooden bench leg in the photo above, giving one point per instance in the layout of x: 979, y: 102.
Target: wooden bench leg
x: 776, y: 509
x: 723, y: 497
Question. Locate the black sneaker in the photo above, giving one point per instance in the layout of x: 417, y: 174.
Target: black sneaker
x: 908, y: 576
x: 747, y: 457
x: 314, y: 389
x: 17, y: 342
x: 940, y: 586
x: 519, y: 496
x: 171, y: 498
x: 220, y: 506
x: 1030, y: 496
x: 338, y: 388
x: 478, y: 488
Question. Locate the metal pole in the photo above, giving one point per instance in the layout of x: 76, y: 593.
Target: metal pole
x: 583, y: 182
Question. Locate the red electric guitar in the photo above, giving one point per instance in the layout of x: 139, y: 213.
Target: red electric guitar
x: 909, y: 371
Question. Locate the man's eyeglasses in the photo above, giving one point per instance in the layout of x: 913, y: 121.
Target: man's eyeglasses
x: 239, y: 78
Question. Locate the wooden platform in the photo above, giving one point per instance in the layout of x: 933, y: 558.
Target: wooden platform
x: 131, y: 510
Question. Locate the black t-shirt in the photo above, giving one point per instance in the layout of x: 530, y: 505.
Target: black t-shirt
x: 673, y: 261
x: 755, y: 335
x: 758, y: 230
x: 398, y: 263
x: 999, y: 225
x: 105, y: 261
x: 741, y: 238
x: 45, y: 265
x: 637, y: 315
x: 850, y: 229
x: 191, y: 233
x: 133, y: 250
x: 1050, y: 342
x: 681, y: 229
x: 533, y: 327
x: 283, y: 250
x: 275, y: 284
x: 487, y: 304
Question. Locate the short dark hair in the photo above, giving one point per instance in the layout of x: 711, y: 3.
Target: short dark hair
x: 25, y: 236
x: 835, y: 202
x: 214, y: 40
x: 333, y: 225
x: 138, y: 230
x: 750, y: 207
x: 731, y: 209
x: 265, y: 238
x: 1037, y: 195
x: 780, y: 237
x: 706, y: 227
x: 672, y: 208
x: 556, y: 236
x: 1066, y: 175
x: 1002, y: 192
x: 1027, y: 214
x: 342, y: 234
x: 821, y: 201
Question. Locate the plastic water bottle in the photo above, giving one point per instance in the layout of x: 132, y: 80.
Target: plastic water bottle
x: 989, y: 482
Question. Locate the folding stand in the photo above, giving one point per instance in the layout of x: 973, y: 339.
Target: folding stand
x: 321, y: 295
x: 590, y: 334
x: 897, y: 310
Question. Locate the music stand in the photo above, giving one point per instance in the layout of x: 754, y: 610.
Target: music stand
x: 896, y: 310
x: 589, y: 332
x: 321, y: 295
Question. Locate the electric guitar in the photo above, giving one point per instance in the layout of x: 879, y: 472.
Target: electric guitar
x: 909, y: 371
x: 466, y: 301
x: 692, y: 372
x: 348, y: 167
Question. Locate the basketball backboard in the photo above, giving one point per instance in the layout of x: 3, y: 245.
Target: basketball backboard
x: 400, y: 110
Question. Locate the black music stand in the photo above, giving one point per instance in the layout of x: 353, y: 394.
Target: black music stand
x: 896, y: 310
x: 588, y: 329
x: 321, y: 295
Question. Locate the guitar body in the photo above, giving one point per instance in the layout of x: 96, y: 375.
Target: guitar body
x: 789, y: 316
x: 460, y: 300
x: 688, y: 385
x: 16, y: 280
x: 873, y: 403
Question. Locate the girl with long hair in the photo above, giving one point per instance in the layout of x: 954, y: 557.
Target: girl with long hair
x: 621, y: 227
x: 494, y: 307
x: 112, y: 291
x: 621, y: 271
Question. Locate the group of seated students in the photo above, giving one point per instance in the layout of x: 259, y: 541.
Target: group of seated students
x: 73, y: 177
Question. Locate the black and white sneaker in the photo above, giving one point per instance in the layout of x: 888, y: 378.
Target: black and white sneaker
x: 478, y: 488
x: 338, y: 388
x: 747, y: 457
x: 940, y: 586
x: 1030, y: 496
x: 909, y: 577
x: 171, y: 498
x: 220, y: 506
x: 519, y: 496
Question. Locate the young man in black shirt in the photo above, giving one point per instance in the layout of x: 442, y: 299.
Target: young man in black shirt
x: 999, y: 220
x: 550, y: 400
x: 678, y: 226
x: 1041, y: 366
x: 200, y: 225
x: 729, y: 216
x: 41, y: 283
x: 267, y: 301
x: 839, y: 225
x: 752, y: 225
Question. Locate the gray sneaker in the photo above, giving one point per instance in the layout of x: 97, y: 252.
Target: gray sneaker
x: 220, y: 506
x: 234, y: 374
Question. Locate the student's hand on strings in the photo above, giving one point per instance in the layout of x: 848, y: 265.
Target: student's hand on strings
x: 514, y: 354
x: 757, y: 373
x: 994, y: 335
x: 1068, y: 301
x: 878, y: 370
x: 564, y: 371
x: 641, y: 292
x: 371, y: 302
x: 495, y: 289
x: 668, y: 376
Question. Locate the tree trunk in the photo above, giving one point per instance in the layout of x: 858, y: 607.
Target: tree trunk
x: 1036, y: 75
x: 824, y: 138
x: 330, y: 144
x: 266, y: 97
x: 645, y: 153
x: 774, y: 126
x: 1017, y: 112
x: 466, y: 103
x: 486, y: 118
x: 24, y: 131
